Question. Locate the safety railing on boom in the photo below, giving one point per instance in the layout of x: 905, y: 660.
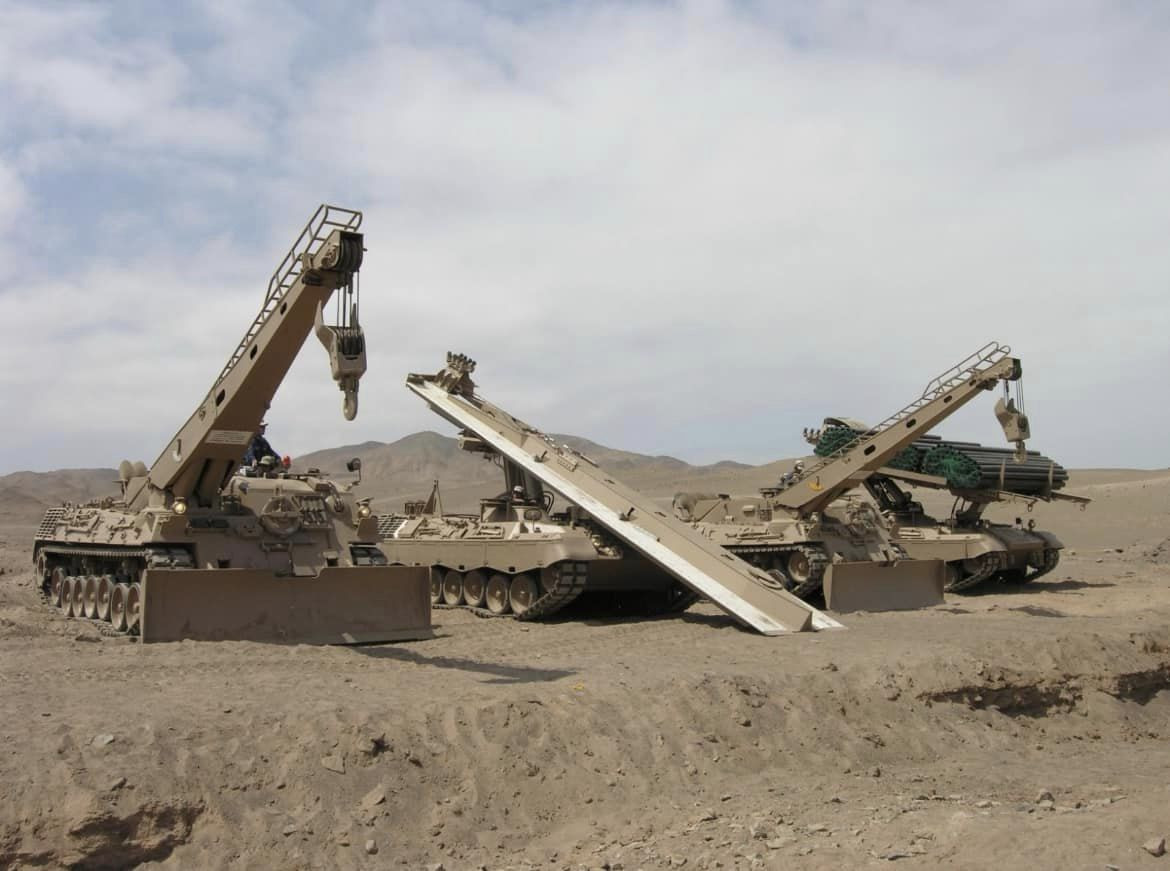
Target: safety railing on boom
x: 325, y: 220
x: 983, y: 359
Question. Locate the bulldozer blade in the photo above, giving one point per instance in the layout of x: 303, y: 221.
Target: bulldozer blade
x: 341, y: 605
x: 869, y: 586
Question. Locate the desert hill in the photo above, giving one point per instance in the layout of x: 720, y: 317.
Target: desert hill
x: 406, y: 469
x: 391, y: 472
x: 1130, y: 506
x: 24, y: 496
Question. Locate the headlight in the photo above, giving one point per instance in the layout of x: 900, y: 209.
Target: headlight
x: 363, y: 512
x: 179, y: 506
x: 532, y: 514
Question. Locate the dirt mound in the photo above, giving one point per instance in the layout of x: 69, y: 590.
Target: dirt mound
x: 1159, y: 554
x: 100, y: 829
x: 921, y: 736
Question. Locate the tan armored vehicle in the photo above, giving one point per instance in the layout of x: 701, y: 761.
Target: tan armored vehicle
x: 975, y: 549
x: 198, y: 547
x: 796, y: 551
x: 520, y: 556
x: 809, y: 527
x: 564, y: 529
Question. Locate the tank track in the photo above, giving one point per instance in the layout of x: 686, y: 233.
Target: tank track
x: 104, y: 618
x: 989, y: 564
x: 572, y: 578
x: 119, y: 612
x: 96, y: 552
x: 776, y: 557
x: 572, y: 581
x: 1050, y: 560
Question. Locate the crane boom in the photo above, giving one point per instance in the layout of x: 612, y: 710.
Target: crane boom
x: 210, y: 445
x: 854, y: 462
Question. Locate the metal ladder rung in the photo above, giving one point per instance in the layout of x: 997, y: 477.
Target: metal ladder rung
x: 984, y: 358
x: 290, y: 268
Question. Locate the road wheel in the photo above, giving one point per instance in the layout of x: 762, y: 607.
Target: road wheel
x: 474, y: 588
x: 77, y: 597
x: 105, y: 587
x: 453, y: 587
x: 521, y: 593
x: 90, y: 596
x: 118, y: 606
x: 497, y: 594
x: 134, y: 608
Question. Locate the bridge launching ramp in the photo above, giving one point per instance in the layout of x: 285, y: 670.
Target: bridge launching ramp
x: 739, y: 589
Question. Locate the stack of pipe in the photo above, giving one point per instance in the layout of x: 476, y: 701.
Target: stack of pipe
x: 965, y: 465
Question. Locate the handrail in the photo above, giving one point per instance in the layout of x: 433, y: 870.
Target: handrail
x: 324, y: 221
x: 984, y: 358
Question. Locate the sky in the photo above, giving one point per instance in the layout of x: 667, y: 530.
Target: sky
x: 685, y: 228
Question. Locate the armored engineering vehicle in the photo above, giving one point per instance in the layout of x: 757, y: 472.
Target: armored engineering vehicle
x: 197, y: 547
x: 809, y: 527
x: 975, y: 549
x: 522, y: 556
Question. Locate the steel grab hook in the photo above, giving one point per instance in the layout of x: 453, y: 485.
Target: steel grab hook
x: 347, y: 356
x: 1015, y: 425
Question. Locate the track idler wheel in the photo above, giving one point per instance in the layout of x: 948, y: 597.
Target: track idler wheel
x: 453, y: 587
x: 474, y: 588
x: 1049, y: 560
x: 496, y: 597
x: 118, y: 606
x: 550, y: 576
x: 521, y: 593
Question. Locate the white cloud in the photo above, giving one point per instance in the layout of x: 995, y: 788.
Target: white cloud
x: 685, y: 228
x: 12, y: 196
x: 71, y: 67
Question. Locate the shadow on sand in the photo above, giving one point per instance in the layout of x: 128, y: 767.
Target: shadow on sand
x: 990, y: 588
x: 498, y: 674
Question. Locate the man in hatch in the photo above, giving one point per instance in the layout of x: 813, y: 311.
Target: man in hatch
x: 260, y: 450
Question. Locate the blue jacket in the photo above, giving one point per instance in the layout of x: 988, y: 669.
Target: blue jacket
x: 258, y: 450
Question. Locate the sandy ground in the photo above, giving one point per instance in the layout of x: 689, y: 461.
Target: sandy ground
x: 1026, y: 727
